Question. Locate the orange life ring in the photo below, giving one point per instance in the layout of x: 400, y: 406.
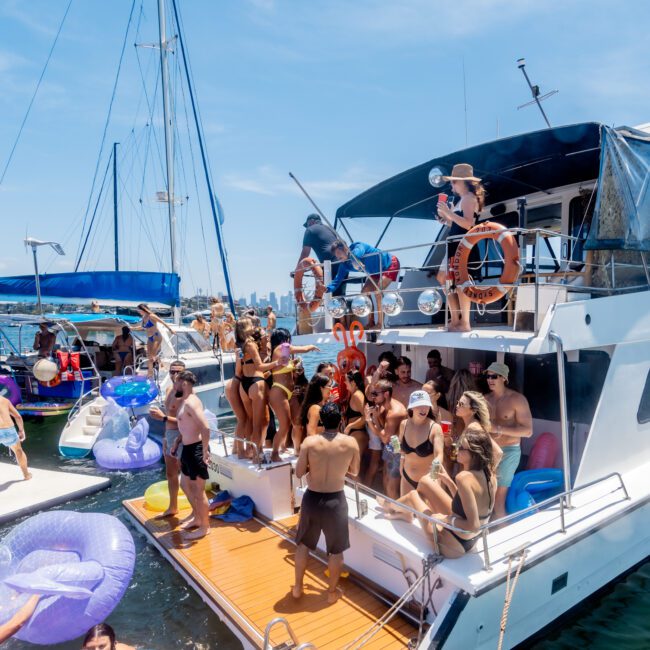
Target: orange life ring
x: 306, y: 264
x: 488, y: 293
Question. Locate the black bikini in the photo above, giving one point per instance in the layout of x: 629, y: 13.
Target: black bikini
x: 351, y: 414
x: 423, y: 450
x: 459, y: 511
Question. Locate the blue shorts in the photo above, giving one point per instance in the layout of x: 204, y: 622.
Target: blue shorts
x: 8, y: 436
x: 508, y: 465
x: 392, y: 460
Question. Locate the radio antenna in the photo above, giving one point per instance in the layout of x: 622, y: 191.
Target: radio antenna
x: 534, y: 89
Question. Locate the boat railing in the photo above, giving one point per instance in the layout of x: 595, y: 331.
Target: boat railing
x: 562, y: 499
x: 280, y: 620
x: 224, y: 434
x: 548, y: 261
x: 81, y: 400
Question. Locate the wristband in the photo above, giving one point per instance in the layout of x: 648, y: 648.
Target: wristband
x: 165, y: 418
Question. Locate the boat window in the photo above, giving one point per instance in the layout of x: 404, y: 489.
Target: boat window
x: 200, y: 342
x: 208, y: 374
x: 228, y: 371
x: 643, y: 414
x: 182, y: 343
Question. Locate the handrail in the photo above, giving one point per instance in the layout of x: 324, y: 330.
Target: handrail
x: 79, y: 402
x: 279, y: 620
x: 485, y: 528
x: 223, y: 434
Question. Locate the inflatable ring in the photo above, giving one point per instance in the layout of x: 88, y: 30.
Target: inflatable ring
x: 130, y: 390
x: 132, y: 452
x: 531, y: 486
x: 306, y: 264
x: 79, y: 563
x: 156, y: 497
x: 489, y: 293
x: 9, y: 389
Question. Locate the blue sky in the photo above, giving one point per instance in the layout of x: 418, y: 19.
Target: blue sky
x: 342, y: 93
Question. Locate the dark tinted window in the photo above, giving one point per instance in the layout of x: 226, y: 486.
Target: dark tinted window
x: 643, y: 414
x: 228, y: 371
x: 207, y: 374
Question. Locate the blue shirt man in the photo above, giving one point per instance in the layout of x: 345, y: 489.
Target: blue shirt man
x: 374, y: 260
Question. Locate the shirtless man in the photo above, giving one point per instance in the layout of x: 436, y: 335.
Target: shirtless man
x: 195, y: 435
x: 511, y: 421
x: 168, y: 416
x: 383, y: 421
x: 271, y: 319
x: 328, y: 457
x: 8, y: 435
x: 404, y: 385
x: 44, y: 341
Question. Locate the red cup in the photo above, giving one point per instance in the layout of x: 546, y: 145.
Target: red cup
x: 446, y: 427
x: 442, y: 198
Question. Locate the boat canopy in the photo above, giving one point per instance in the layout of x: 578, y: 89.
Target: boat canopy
x: 110, y: 288
x: 509, y: 168
x: 621, y: 218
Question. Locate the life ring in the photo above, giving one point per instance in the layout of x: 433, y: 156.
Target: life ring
x: 488, y: 293
x: 306, y: 264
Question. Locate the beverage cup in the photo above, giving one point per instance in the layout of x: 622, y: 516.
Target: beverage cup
x: 442, y: 198
x: 446, y: 427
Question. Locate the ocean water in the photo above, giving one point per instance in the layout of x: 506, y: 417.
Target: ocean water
x: 160, y: 611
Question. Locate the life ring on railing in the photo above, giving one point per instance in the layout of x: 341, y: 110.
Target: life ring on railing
x: 488, y: 293
x: 306, y: 264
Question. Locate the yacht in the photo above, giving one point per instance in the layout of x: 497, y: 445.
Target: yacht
x: 574, y: 329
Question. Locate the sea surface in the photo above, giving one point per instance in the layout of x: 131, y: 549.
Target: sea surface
x: 160, y: 611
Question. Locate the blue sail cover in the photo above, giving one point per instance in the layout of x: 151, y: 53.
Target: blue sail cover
x: 115, y: 286
x: 621, y: 218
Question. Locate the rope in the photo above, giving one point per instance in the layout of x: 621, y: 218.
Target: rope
x: 31, y: 101
x: 510, y: 590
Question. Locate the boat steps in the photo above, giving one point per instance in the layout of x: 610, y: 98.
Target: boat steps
x: 94, y: 420
x: 90, y: 430
x: 245, y: 573
x: 96, y: 409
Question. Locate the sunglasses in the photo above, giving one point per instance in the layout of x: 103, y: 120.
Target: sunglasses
x: 492, y: 376
x: 462, y: 404
x: 175, y: 372
x: 374, y: 393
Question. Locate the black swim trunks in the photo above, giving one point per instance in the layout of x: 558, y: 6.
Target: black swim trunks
x: 325, y: 512
x: 192, y: 464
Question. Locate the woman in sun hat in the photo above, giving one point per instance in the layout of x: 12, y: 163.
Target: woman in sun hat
x: 460, y: 218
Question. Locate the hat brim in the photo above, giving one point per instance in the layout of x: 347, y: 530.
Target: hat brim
x: 460, y: 178
x: 420, y: 403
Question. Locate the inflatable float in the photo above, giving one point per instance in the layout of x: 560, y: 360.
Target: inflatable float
x: 156, y: 497
x: 9, y: 389
x: 43, y: 409
x: 532, y: 486
x: 134, y: 451
x: 130, y: 390
x: 80, y: 564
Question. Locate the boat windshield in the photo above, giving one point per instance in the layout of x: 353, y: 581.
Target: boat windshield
x: 188, y: 342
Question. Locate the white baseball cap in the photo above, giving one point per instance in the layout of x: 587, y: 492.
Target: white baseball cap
x: 419, y: 398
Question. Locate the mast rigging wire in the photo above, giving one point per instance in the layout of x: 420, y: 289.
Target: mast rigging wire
x: 31, y: 101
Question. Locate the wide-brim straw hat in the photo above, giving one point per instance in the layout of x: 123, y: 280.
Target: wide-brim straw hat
x: 461, y: 172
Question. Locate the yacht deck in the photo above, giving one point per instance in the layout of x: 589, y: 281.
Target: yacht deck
x: 245, y: 573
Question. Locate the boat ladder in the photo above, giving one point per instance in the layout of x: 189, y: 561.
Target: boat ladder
x: 292, y: 645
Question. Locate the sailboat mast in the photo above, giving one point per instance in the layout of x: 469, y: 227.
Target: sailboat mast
x: 169, y: 144
x: 115, y: 231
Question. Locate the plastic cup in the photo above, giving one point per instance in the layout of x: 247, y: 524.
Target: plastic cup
x: 446, y: 427
x: 442, y: 198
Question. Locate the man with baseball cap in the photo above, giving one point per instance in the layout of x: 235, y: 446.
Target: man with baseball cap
x: 319, y: 237
x: 511, y: 421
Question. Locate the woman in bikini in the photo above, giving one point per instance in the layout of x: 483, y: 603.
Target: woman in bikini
x: 244, y: 424
x: 150, y: 324
x: 123, y: 350
x: 300, y: 384
x: 465, y: 502
x: 201, y: 326
x: 282, y: 386
x: 421, y: 441
x: 355, y: 419
x: 217, y: 311
x: 318, y: 393
x: 253, y: 389
x: 227, y: 336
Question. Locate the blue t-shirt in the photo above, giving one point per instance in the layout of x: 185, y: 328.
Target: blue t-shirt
x: 372, y: 258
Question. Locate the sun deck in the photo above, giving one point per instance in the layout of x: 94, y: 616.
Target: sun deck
x: 245, y: 573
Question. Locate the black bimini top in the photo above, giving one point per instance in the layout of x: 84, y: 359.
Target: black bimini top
x: 509, y: 168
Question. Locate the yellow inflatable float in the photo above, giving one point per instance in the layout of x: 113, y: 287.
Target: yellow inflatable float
x: 156, y: 497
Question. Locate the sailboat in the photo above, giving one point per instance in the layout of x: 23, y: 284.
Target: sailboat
x: 120, y: 289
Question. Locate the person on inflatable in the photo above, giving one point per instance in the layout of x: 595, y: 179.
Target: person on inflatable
x: 381, y: 267
x: 461, y: 217
x: 11, y: 438
x: 511, y: 421
x: 168, y: 416
x: 102, y: 637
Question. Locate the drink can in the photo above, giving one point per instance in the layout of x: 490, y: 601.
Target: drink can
x: 435, y: 469
x: 394, y: 443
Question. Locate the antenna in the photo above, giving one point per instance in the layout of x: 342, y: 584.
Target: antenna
x: 537, y: 98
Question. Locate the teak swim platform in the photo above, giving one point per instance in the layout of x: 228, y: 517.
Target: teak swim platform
x: 245, y: 571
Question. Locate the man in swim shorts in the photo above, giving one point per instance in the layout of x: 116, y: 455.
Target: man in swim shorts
x: 328, y: 457
x: 44, y: 341
x: 11, y: 438
x: 195, y: 435
x: 511, y: 421
x: 168, y: 416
